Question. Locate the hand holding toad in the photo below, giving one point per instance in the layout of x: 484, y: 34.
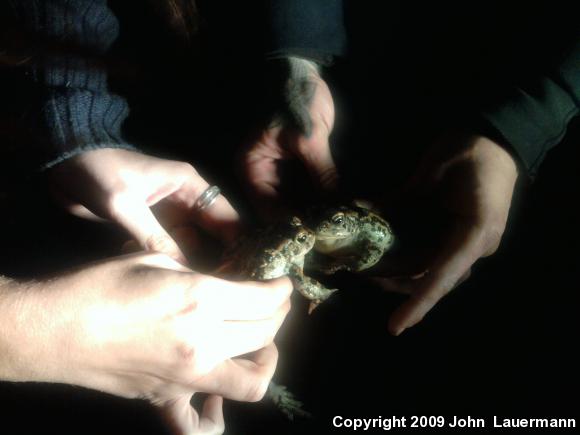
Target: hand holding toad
x: 122, y: 186
x: 468, y: 182
x: 143, y: 326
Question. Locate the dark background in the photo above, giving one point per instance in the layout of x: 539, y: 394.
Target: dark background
x: 504, y: 343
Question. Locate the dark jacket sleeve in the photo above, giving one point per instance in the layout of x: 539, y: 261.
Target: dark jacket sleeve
x: 534, y: 117
x: 313, y: 29
x: 73, y: 109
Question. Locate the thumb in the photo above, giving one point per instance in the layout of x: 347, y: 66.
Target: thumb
x: 140, y: 222
x: 462, y: 248
x: 314, y: 152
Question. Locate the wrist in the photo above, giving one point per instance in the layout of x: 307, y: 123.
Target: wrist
x: 302, y: 82
x: 482, y: 128
x: 502, y: 157
x: 300, y: 68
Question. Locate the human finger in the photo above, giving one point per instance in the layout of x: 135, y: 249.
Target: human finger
x: 74, y: 207
x: 220, y: 219
x: 248, y: 300
x: 261, y: 173
x: 262, y: 180
x: 138, y: 220
x: 179, y: 416
x: 464, y: 277
x: 243, y: 379
x: 266, y: 198
x: 242, y: 337
x: 465, y: 246
x: 130, y: 246
x: 211, y: 420
x: 183, y: 419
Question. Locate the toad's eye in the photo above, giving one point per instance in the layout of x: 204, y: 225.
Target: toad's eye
x: 302, y: 237
x: 338, y: 219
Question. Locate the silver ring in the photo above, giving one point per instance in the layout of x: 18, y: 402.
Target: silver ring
x: 207, y: 198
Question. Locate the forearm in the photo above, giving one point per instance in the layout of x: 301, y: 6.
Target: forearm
x: 29, y: 348
x: 13, y: 364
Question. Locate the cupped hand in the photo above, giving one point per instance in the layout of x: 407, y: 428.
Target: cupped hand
x: 467, y: 183
x: 299, y: 133
x: 122, y: 186
x: 143, y: 326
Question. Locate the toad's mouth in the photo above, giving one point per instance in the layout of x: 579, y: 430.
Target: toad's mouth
x: 323, y: 237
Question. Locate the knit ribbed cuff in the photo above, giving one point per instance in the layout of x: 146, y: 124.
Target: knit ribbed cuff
x: 83, y: 149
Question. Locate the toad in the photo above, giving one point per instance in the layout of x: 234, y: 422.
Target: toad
x: 349, y: 238
x: 279, y: 250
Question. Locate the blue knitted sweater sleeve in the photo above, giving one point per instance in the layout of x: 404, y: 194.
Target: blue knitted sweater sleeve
x: 75, y: 110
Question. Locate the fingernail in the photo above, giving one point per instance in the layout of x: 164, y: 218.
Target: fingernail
x: 399, y: 331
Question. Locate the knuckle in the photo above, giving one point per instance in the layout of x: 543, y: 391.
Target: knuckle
x: 115, y: 203
x: 185, y: 360
x: 187, y: 168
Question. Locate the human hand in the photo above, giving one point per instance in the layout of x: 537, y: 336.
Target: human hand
x: 122, y: 186
x: 468, y: 184
x: 142, y: 326
x: 301, y: 132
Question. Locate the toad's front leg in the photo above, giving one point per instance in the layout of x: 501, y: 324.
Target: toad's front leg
x: 309, y: 288
x: 370, y: 255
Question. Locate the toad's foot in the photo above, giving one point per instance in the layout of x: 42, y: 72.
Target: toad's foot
x: 285, y: 401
